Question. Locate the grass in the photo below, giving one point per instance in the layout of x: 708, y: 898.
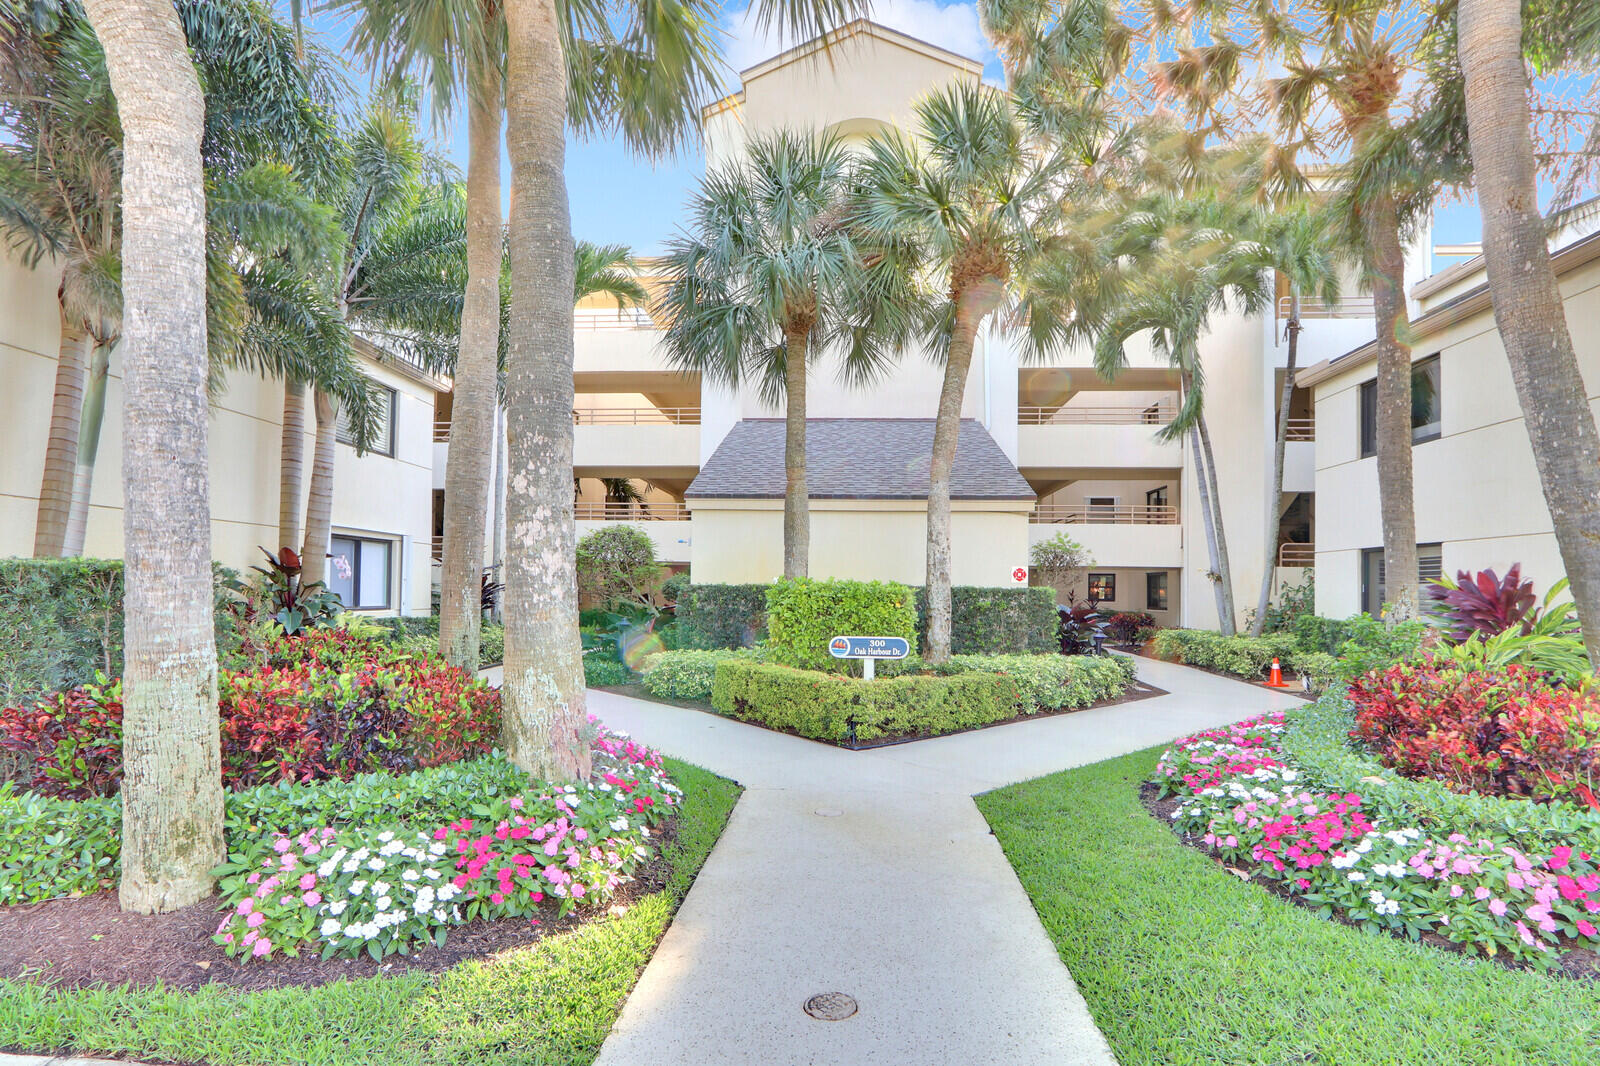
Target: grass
x: 1182, y: 962
x: 550, y: 1004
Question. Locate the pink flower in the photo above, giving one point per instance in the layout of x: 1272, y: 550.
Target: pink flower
x: 1587, y: 928
x: 308, y: 882
x: 255, y: 919
x: 1497, y: 907
x: 516, y: 803
x: 245, y: 906
x: 311, y: 899
x: 1481, y: 892
x: 495, y: 897
x: 1560, y: 855
x: 281, y: 845
x: 262, y: 948
x: 253, y: 878
x: 1455, y: 891
x: 578, y: 890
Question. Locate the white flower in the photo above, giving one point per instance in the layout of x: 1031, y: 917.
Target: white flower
x: 383, y: 903
x: 336, y: 909
x: 437, y: 848
x: 1356, y: 875
x: 385, y: 836
x: 330, y: 928
x: 376, y: 864
x: 410, y: 875
x: 431, y: 874
x: 357, y: 887
x: 438, y: 914
x: 380, y: 888
x: 350, y: 866
x: 620, y: 823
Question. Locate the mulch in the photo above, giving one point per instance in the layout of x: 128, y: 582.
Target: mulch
x: 1575, y: 961
x: 87, y: 941
x: 1135, y: 692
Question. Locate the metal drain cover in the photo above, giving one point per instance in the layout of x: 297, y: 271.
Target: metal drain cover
x: 831, y: 1006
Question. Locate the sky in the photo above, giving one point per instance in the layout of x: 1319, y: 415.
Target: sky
x: 617, y: 197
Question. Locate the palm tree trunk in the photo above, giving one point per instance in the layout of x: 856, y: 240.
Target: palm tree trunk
x: 319, y: 500
x: 472, y: 420
x: 1230, y: 613
x: 1394, y: 412
x: 1207, y: 514
x: 1527, y: 302
x: 500, y: 507
x: 172, y: 783
x: 1279, y: 442
x: 291, y: 464
x: 796, y: 498
x: 971, y: 307
x: 90, y: 423
x: 66, y: 411
x: 543, y: 713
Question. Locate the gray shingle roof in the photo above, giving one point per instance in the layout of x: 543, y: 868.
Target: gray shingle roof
x: 857, y: 459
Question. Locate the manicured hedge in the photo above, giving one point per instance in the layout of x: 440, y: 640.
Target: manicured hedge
x: 60, y: 624
x: 827, y: 706
x: 687, y: 674
x: 1246, y: 657
x: 1053, y: 682
x: 721, y: 616
x: 803, y: 615
x: 996, y: 621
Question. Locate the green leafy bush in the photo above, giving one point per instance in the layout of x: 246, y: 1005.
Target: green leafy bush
x: 997, y: 621
x: 829, y: 707
x: 1318, y: 668
x: 53, y: 847
x: 616, y: 566
x: 1053, y: 682
x: 419, y: 633
x: 803, y: 615
x: 60, y: 624
x: 601, y: 669
x: 686, y: 674
x: 721, y: 616
x: 1246, y: 657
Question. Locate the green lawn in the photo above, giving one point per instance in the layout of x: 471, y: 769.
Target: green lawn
x: 1182, y: 962
x: 551, y: 1003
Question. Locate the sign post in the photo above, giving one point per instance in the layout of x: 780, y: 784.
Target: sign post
x: 869, y: 650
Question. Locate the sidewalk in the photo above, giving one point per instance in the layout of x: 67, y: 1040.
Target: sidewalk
x: 872, y: 873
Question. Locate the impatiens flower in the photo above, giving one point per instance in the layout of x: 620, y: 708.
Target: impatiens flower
x: 263, y: 948
x: 1587, y: 929
x: 1497, y: 907
x: 311, y: 899
x: 309, y: 881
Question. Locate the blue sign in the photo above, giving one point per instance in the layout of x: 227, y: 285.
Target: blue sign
x: 869, y: 647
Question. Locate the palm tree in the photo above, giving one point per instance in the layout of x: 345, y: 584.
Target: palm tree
x: 1177, y: 258
x: 768, y: 277
x: 980, y: 199
x: 172, y: 785
x: 607, y: 270
x: 1528, y: 308
x: 1348, y: 87
x: 1297, y: 242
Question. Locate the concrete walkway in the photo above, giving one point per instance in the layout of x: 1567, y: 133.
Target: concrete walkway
x: 872, y: 873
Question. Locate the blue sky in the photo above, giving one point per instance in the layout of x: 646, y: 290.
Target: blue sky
x: 617, y: 197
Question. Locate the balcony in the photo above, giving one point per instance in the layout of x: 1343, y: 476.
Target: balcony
x: 1149, y: 536
x: 1297, y: 556
x: 1093, y: 439
x: 1301, y: 430
x: 1151, y: 414
x: 633, y: 512
x: 637, y: 416
x: 1348, y: 307
x: 666, y: 524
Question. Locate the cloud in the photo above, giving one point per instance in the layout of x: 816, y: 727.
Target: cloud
x: 951, y: 26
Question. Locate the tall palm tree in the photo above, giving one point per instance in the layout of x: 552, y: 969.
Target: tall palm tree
x: 172, y: 784
x: 1180, y: 259
x: 1297, y: 242
x: 1348, y: 87
x: 980, y: 199
x: 640, y: 71
x: 769, y: 275
x: 1528, y: 308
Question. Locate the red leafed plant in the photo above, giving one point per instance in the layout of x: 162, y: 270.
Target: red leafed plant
x: 1484, y: 603
x: 1508, y: 731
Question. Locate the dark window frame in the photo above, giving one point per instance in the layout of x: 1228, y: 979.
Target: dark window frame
x: 1103, y: 578
x: 387, y: 447
x: 355, y: 571
x: 1150, y: 588
x: 1372, y: 561
x: 1367, y: 408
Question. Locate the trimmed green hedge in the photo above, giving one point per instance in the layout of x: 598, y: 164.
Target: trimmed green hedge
x: 1053, y: 682
x: 803, y: 615
x: 721, y: 616
x: 687, y: 674
x: 826, y: 706
x: 997, y: 621
x: 1246, y: 657
x: 60, y: 624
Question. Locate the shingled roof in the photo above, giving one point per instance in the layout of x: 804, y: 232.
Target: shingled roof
x: 857, y: 459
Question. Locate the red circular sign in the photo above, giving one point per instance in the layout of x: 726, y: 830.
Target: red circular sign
x: 1020, y: 574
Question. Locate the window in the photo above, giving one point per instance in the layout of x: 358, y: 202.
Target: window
x: 1155, y: 501
x: 1102, y: 588
x: 1425, y: 408
x: 1155, y: 591
x: 1100, y: 508
x: 383, y: 438
x: 359, y: 571
x: 1430, y: 565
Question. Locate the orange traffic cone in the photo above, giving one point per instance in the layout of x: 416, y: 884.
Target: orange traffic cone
x: 1275, y: 679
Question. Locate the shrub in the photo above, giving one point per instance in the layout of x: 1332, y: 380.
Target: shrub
x: 1485, y: 603
x: 60, y: 625
x: 1246, y: 657
x: 1317, y: 668
x: 323, y: 704
x: 1501, y: 732
x: 617, y: 566
x: 686, y: 674
x: 53, y: 847
x: 419, y: 634
x: 722, y: 616
x: 1053, y: 682
x: 996, y: 621
x: 1079, y: 625
x: 829, y: 707
x: 601, y: 670
x: 1057, y: 560
x: 1125, y: 626
x: 802, y: 615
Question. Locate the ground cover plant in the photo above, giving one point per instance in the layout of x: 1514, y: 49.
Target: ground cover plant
x: 1182, y: 963
x: 1506, y: 886
x: 552, y: 1001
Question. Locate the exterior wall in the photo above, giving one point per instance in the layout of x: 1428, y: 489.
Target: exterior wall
x: 373, y: 495
x: 672, y: 539
x: 1477, y: 488
x: 741, y: 541
x: 1131, y: 591
x: 1114, y: 546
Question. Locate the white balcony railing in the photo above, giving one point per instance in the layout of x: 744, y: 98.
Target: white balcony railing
x: 1084, y: 514
x: 1157, y: 414
x: 1301, y: 429
x: 441, y: 431
x: 1348, y: 307
x: 610, y: 322
x: 637, y: 416
x: 1300, y: 555
x: 632, y: 512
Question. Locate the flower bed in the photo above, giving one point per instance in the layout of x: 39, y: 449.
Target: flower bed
x: 1509, y: 887
x: 317, y: 706
x: 386, y: 886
